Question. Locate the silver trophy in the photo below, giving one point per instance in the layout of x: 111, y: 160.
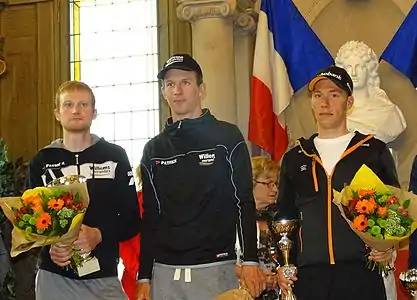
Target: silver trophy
x: 67, y: 180
x: 284, y: 228
x: 409, y: 280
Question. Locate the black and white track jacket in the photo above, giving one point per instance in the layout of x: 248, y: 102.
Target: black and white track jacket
x: 197, y: 189
x: 113, y: 204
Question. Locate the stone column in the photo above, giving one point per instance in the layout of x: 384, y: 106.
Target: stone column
x: 244, y: 39
x: 212, y: 23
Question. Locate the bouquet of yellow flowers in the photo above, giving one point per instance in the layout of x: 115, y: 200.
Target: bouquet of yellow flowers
x: 46, y: 215
x: 382, y: 216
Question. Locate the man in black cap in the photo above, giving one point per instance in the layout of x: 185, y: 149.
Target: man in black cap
x: 331, y: 258
x: 197, y: 190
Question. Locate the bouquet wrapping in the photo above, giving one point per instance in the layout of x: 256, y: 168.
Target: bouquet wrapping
x: 46, y: 215
x: 382, y: 216
x: 235, y: 294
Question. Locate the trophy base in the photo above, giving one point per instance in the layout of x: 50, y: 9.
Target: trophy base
x: 290, y: 296
x: 90, y: 265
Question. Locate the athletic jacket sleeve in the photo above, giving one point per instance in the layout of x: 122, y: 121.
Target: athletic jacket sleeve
x: 388, y: 174
x: 149, y: 219
x: 413, y: 177
x: 241, y: 173
x: 286, y: 193
x: 412, y: 259
x: 129, y: 206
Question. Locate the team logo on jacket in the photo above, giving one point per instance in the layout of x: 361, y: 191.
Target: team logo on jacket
x: 166, y: 162
x: 53, y: 166
x: 106, y: 170
x: 206, y: 159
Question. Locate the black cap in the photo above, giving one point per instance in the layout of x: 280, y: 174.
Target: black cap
x: 338, y: 75
x: 180, y: 62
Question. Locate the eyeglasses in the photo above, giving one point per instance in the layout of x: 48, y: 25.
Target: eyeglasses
x: 269, y: 184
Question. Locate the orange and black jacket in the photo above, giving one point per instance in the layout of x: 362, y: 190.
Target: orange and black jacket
x: 306, y: 192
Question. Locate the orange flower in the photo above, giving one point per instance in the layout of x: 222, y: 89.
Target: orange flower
x: 365, y: 207
x: 360, y: 222
x: 44, y: 221
x: 56, y: 204
x: 31, y: 199
x: 37, y: 205
x: 382, y: 211
x: 372, y: 203
x: 363, y: 193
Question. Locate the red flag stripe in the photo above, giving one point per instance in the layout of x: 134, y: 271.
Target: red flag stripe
x: 264, y: 128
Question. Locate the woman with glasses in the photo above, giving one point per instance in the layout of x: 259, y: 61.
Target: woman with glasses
x: 265, y: 190
x: 265, y: 181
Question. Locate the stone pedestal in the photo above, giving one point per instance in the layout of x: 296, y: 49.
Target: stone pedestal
x: 212, y: 23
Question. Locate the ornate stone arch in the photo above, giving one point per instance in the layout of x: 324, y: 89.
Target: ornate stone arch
x: 311, y: 9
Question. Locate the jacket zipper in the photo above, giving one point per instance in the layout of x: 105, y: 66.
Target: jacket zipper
x: 329, y: 208
x: 329, y: 217
x: 329, y: 195
x: 77, y: 164
x: 300, y: 233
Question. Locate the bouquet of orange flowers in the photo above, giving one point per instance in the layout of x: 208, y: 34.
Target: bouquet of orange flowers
x: 46, y: 215
x: 381, y: 215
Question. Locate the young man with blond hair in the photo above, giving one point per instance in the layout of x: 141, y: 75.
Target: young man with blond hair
x: 331, y: 258
x: 112, y: 215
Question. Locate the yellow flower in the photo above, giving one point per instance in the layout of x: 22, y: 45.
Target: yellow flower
x: 28, y: 194
x: 41, y: 189
x: 34, y: 192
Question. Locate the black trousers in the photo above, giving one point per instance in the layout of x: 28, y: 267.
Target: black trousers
x: 25, y: 269
x: 350, y: 280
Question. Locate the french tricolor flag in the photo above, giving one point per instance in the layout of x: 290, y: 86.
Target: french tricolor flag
x: 288, y: 54
x: 401, y: 52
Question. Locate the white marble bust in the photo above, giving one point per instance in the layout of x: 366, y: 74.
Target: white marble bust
x: 372, y: 110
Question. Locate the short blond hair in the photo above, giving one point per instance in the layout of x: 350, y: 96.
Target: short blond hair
x: 70, y: 86
x: 263, y: 164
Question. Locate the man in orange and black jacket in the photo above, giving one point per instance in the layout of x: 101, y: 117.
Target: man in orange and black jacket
x: 331, y: 258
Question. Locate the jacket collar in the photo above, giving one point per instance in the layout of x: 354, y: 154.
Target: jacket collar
x: 188, y: 123
x: 309, y: 149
